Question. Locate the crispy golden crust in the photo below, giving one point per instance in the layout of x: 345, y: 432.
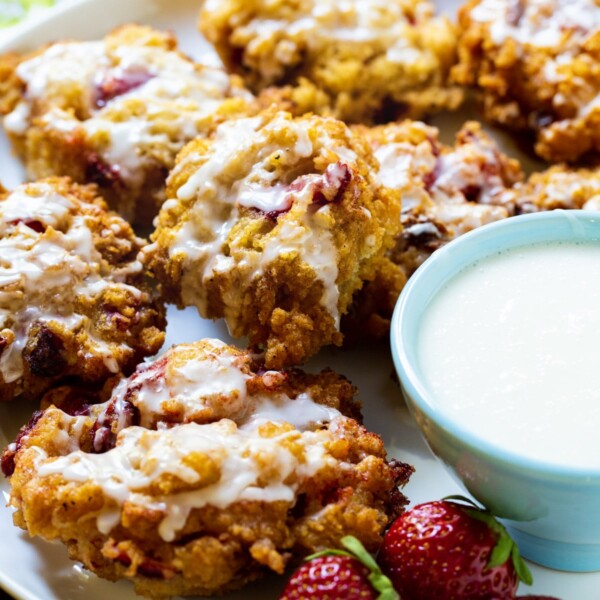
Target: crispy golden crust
x: 445, y: 190
x: 352, y: 489
x: 558, y: 187
x: 355, y: 63
x: 536, y: 66
x: 280, y: 276
x: 75, y: 303
x: 371, y: 311
x: 114, y: 112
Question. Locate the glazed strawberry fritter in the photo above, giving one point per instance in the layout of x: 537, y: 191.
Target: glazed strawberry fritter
x: 354, y: 60
x: 445, y: 191
x: 113, y: 112
x: 202, y: 471
x: 273, y: 225
x: 74, y: 302
x: 537, y: 65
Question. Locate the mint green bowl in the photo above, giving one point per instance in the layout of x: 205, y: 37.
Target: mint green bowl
x: 553, y: 511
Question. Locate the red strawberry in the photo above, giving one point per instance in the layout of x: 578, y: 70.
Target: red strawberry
x: 448, y: 550
x: 335, y: 574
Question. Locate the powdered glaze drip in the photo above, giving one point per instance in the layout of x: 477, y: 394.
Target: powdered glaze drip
x: 302, y: 412
x: 248, y: 446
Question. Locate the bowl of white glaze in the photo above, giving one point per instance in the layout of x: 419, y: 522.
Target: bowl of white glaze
x: 496, y: 341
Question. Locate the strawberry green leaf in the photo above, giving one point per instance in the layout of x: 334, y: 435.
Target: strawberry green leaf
x: 523, y: 572
x: 384, y: 586
x: 378, y: 580
x: 505, y: 547
x: 488, y: 519
x: 360, y: 552
x: 501, y: 552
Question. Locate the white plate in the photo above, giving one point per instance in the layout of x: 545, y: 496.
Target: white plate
x: 36, y: 570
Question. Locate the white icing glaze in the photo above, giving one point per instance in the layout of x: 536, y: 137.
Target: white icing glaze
x: 125, y: 139
x: 231, y: 138
x: 426, y: 228
x: 219, y: 375
x: 589, y: 107
x: 237, y: 461
x: 273, y: 199
x: 202, y: 237
x: 571, y: 189
x: 64, y: 64
x: 593, y: 203
x: 460, y: 218
x: 17, y: 121
x: 48, y: 207
x: 178, y: 91
x: 314, y: 244
x: 210, y: 385
x: 302, y: 412
x: 468, y: 165
x: 207, y: 385
x: 559, y: 28
x: 399, y: 161
x: 403, y: 53
x: 250, y: 467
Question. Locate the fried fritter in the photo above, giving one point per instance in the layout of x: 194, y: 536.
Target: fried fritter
x: 537, y: 66
x: 354, y: 60
x: 202, y: 471
x: 74, y: 301
x: 273, y: 225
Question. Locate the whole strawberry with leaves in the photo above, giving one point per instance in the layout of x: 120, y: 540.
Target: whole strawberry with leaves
x: 350, y: 574
x: 451, y: 550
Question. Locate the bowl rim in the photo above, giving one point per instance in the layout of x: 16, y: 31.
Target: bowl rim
x: 404, y: 364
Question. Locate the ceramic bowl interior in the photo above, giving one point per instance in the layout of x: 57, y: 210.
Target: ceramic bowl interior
x: 552, y: 510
